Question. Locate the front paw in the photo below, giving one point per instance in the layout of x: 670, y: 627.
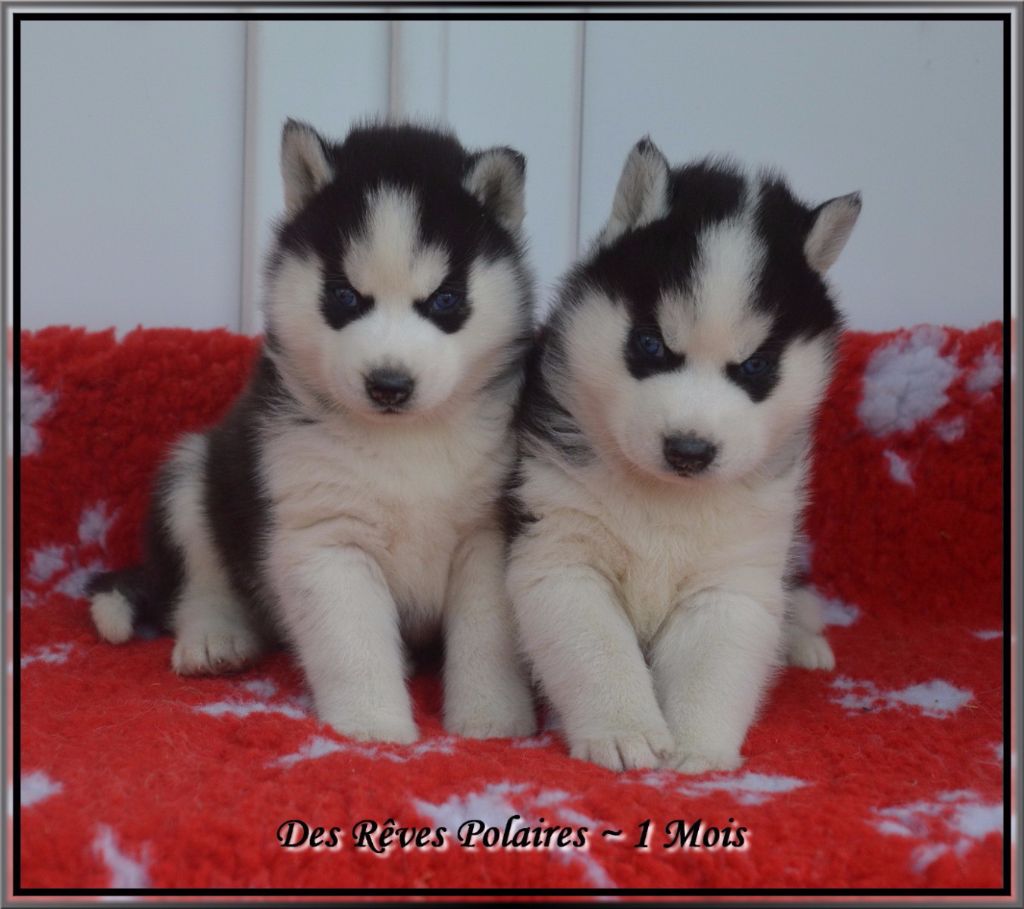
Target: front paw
x: 809, y: 651
x: 623, y: 749
x: 364, y: 727
x: 213, y: 650
x: 491, y: 718
x: 703, y: 761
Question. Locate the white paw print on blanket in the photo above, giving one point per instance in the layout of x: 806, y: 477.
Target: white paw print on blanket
x: 906, y: 382
x: 36, y: 403
x: 260, y: 696
x: 952, y: 822
x: 61, y: 565
x: 745, y: 788
x: 125, y: 870
x: 497, y: 802
x: 936, y: 698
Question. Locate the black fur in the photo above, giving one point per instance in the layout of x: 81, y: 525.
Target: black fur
x: 430, y: 162
x: 642, y: 364
x: 155, y: 583
x: 433, y: 164
x: 637, y: 267
x: 514, y: 515
x: 540, y: 415
x: 789, y: 290
x: 235, y: 508
x: 340, y: 304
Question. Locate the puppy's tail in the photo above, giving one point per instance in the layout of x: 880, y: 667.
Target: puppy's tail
x: 116, y: 597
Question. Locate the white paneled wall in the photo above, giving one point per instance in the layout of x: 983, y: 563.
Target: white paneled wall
x: 518, y: 84
x: 131, y: 181
x: 149, y: 149
x: 472, y: 76
x: 327, y: 73
x: 910, y: 113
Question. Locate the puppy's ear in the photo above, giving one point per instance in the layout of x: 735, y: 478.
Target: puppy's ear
x: 497, y: 178
x: 305, y: 164
x: 642, y: 192
x: 833, y: 222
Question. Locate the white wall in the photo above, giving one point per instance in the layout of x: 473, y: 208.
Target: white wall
x: 910, y: 113
x: 131, y: 181
x: 149, y: 150
x: 327, y: 73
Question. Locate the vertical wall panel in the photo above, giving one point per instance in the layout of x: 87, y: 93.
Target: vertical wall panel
x: 329, y: 73
x: 131, y: 142
x: 419, y: 70
x: 515, y: 83
x: 908, y: 112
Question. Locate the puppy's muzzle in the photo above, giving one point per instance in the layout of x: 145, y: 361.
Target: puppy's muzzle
x: 389, y: 388
x: 688, y: 454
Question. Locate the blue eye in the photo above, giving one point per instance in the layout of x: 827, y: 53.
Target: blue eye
x: 345, y: 297
x: 341, y: 304
x: 650, y: 345
x: 444, y: 301
x: 756, y: 365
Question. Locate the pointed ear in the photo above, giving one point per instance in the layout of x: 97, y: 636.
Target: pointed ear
x: 305, y: 164
x: 497, y: 178
x: 642, y: 192
x: 831, y: 228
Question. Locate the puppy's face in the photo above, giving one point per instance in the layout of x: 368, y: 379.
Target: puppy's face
x: 397, y: 285
x: 697, y: 343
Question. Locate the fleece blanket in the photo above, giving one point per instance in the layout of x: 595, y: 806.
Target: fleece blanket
x: 887, y: 773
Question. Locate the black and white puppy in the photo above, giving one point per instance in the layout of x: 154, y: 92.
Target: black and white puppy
x: 349, y: 503
x: 665, y: 442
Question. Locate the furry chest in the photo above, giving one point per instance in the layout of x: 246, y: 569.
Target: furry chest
x: 666, y: 559
x: 408, y: 511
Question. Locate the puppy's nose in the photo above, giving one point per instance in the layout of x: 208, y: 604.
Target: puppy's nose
x: 389, y: 387
x: 688, y: 454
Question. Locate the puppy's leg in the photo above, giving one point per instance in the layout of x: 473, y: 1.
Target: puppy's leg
x: 585, y: 652
x: 712, y: 661
x: 212, y: 629
x: 804, y: 643
x: 486, y: 693
x: 341, y: 617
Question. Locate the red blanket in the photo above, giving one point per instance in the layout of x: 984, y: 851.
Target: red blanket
x: 885, y: 773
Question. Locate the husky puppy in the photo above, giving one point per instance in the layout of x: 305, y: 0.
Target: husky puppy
x: 664, y: 449
x: 349, y: 503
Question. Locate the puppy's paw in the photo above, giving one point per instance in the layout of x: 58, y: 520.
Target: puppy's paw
x: 624, y: 749
x: 809, y: 650
x: 475, y: 715
x: 503, y: 728
x: 503, y: 723
x: 703, y: 761
x: 398, y: 729
x: 214, y: 650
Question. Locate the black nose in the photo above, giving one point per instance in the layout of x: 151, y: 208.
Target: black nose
x: 688, y: 454
x: 389, y: 387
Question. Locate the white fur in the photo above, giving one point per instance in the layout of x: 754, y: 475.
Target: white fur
x: 304, y: 165
x: 385, y: 526
x: 212, y: 629
x: 613, y: 558
x: 388, y: 263
x: 805, y: 643
x: 651, y: 605
x: 112, y: 616
x: 369, y: 524
x: 831, y: 230
x: 641, y: 195
x: 497, y: 179
x: 628, y: 420
x: 382, y: 528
